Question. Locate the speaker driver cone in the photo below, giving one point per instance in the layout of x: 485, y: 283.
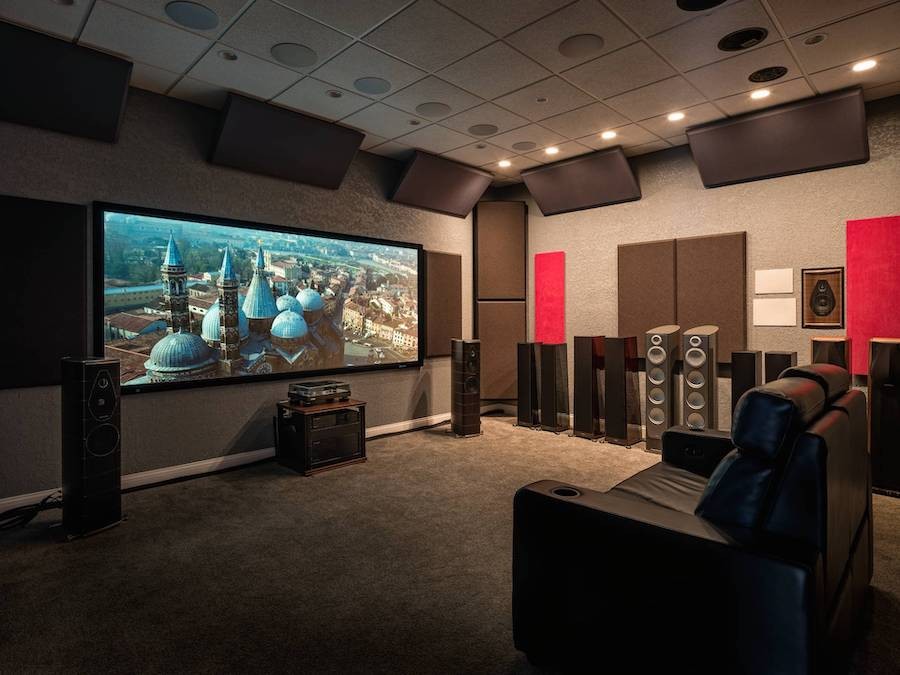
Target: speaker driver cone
x: 696, y: 400
x: 696, y: 421
x: 694, y: 357
x: 656, y: 396
x: 695, y: 379
x: 656, y: 376
x: 656, y: 415
x: 102, y: 440
x: 656, y: 355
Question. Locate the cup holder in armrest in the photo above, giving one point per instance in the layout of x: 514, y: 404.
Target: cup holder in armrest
x: 563, y: 491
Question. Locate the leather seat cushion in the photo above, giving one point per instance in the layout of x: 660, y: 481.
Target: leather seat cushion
x: 665, y: 485
x: 833, y: 379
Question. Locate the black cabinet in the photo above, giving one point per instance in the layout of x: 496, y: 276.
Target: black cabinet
x: 314, y: 438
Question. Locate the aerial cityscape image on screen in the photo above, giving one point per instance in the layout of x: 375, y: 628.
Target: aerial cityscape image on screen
x: 186, y: 301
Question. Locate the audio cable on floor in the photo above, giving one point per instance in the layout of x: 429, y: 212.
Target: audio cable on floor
x: 22, y: 515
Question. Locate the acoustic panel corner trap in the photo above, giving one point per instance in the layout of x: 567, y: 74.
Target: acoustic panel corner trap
x: 443, y: 301
x: 550, y: 297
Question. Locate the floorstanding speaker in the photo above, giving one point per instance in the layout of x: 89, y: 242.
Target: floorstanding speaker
x: 777, y: 363
x: 465, y: 387
x: 661, y: 349
x: 746, y: 373
x: 554, y: 388
x: 834, y: 350
x: 91, y: 453
x: 884, y: 413
x: 700, y: 408
x: 528, y: 405
x: 589, y: 369
x: 623, y: 404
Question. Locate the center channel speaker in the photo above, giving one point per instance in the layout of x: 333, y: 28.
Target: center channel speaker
x: 554, y: 388
x: 777, y: 363
x: 91, y: 454
x: 661, y: 354
x: 589, y: 372
x: 884, y: 413
x: 623, y: 404
x: 465, y: 387
x: 834, y: 350
x: 746, y: 373
x: 528, y: 407
x: 701, y: 396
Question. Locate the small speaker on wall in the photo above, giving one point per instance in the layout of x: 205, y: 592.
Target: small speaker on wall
x: 554, y: 388
x: 662, y: 353
x: 528, y: 405
x: 777, y: 363
x: 701, y: 379
x: 834, y: 350
x: 623, y: 405
x: 590, y: 372
x: 746, y: 373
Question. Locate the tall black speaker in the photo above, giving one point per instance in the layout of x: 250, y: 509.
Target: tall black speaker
x: 528, y: 405
x: 884, y: 413
x: 777, y: 363
x: 623, y: 405
x: 662, y: 353
x: 589, y: 368
x: 746, y: 373
x: 465, y: 387
x: 554, y: 388
x: 700, y: 409
x: 91, y: 454
x: 834, y: 350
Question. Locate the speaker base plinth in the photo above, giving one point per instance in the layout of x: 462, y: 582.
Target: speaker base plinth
x: 589, y: 437
x: 633, y: 436
x: 72, y: 536
x: 653, y: 444
x: 555, y: 430
x: 473, y: 435
x: 528, y: 425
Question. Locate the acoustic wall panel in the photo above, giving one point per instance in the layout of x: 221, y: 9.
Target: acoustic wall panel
x: 711, y: 274
x: 443, y: 302
x: 501, y: 326
x: 500, y: 243
x: 873, y: 284
x: 437, y: 184
x: 646, y: 273
x: 550, y: 297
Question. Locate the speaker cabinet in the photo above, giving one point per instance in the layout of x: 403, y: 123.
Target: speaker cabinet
x: 589, y: 372
x: 465, y: 387
x: 884, y: 413
x: 700, y: 402
x: 554, y: 388
x: 834, y: 350
x: 746, y: 373
x: 623, y: 405
x: 91, y: 457
x: 661, y: 349
x: 528, y: 408
x: 777, y: 363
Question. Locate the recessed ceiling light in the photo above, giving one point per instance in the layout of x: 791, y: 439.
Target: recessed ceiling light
x: 698, y: 5
x: 372, y: 85
x: 768, y: 74
x: 552, y: 150
x: 188, y: 14
x: 581, y: 46
x: 334, y: 93
x: 742, y: 39
x: 675, y: 116
x: 433, y: 109
x: 522, y: 146
x: 760, y: 93
x: 815, y: 39
x: 861, y: 66
x: 607, y: 135
x: 483, y: 129
x: 294, y: 55
x: 228, y: 55
x: 504, y: 163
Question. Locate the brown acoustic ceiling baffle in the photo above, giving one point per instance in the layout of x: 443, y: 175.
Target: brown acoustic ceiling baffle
x: 711, y: 274
x: 500, y: 242
x: 501, y: 326
x: 438, y: 184
x: 443, y: 302
x: 646, y: 287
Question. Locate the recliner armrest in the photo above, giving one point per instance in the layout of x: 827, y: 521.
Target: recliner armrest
x: 696, y: 451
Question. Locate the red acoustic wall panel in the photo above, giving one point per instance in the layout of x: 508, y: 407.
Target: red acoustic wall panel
x: 550, y: 297
x: 873, y: 284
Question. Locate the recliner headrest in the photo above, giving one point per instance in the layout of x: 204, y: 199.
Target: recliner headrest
x: 833, y: 379
x: 766, y: 416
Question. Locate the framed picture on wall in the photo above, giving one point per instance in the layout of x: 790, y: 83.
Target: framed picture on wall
x: 823, y: 297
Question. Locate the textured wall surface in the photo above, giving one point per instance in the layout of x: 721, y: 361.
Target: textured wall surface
x: 793, y: 221
x: 160, y: 161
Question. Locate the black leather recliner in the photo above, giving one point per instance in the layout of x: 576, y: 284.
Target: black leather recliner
x: 748, y: 554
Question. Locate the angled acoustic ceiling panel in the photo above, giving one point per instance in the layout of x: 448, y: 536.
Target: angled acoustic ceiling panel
x: 261, y: 138
x: 437, y: 184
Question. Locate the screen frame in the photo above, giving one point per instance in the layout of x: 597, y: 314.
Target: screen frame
x: 98, y: 277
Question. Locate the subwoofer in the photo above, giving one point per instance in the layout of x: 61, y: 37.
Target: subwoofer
x: 589, y: 367
x: 777, y: 363
x: 554, y: 388
x: 91, y: 452
x: 884, y: 413
x: 700, y: 399
x: 465, y: 387
x: 661, y: 354
x: 528, y: 405
x: 746, y: 373
x: 834, y: 350
x: 623, y: 404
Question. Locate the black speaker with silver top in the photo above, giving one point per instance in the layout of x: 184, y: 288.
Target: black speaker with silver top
x: 700, y: 400
x: 661, y: 355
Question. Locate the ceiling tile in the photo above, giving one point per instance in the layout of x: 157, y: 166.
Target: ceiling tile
x: 350, y: 16
x: 266, y: 24
x: 695, y: 43
x: 370, y: 141
x: 652, y: 16
x: 681, y: 139
x: 731, y: 76
x: 655, y: 99
x: 698, y: 114
x: 224, y: 9
x: 152, y: 78
x: 623, y: 70
x: 541, y: 40
x: 882, y: 91
x: 566, y: 150
x: 797, y: 16
x: 584, y: 121
x: 533, y: 133
x: 517, y: 165
x: 433, y: 90
x: 646, y: 148
x: 478, y: 154
x: 383, y: 120
x: 61, y: 20
x: 201, y: 93
x: 428, y: 35
x: 359, y: 61
x: 493, y: 71
x: 627, y: 136
x: 247, y: 74
x: 851, y: 40
x: 312, y: 96
x: 122, y: 31
x: 393, y: 150
x: 435, y: 138
x: 502, y: 17
x: 887, y: 71
x: 780, y: 93
x: 545, y: 98
x: 486, y: 113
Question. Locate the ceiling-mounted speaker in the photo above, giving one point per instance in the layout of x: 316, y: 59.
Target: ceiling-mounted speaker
x: 54, y: 84
x: 585, y: 182
x: 816, y: 133
x: 262, y: 138
x: 437, y: 184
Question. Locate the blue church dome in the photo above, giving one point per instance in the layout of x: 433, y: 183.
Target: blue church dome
x: 310, y: 300
x: 288, y: 303
x: 179, y: 352
x: 211, y: 329
x: 289, y: 326
x: 260, y: 303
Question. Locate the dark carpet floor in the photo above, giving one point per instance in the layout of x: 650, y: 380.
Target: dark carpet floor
x: 399, y: 565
